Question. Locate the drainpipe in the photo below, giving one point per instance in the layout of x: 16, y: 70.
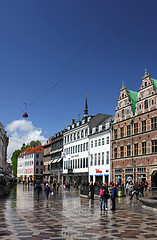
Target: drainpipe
x: 134, y: 165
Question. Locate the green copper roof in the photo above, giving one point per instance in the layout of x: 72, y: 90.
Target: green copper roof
x: 155, y: 82
x: 133, y: 96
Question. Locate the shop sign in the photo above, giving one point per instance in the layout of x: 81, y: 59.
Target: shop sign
x: 98, y: 171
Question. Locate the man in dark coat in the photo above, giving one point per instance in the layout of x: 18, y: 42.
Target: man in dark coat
x: 92, y: 190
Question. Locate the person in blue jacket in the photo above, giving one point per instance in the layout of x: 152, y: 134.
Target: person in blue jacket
x: 47, y: 190
x: 113, y: 196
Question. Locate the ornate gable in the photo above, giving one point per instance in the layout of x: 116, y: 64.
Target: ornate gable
x: 147, y: 94
x: 124, y: 108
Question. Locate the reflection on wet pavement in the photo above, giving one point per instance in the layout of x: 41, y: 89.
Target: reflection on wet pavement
x: 67, y: 216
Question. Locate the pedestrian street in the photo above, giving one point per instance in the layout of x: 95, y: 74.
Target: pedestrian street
x: 67, y: 216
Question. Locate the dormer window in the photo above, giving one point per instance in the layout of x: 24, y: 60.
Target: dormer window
x: 118, y: 115
x: 145, y: 84
x: 122, y: 95
x: 152, y: 101
x: 139, y: 107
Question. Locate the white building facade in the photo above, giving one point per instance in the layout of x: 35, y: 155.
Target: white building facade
x: 75, y: 147
x: 99, y: 152
x: 30, y: 164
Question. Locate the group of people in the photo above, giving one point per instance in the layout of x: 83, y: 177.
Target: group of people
x: 136, y: 189
x: 106, y: 192
x: 48, y: 188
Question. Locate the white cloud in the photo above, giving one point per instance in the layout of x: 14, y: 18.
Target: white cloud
x: 22, y: 131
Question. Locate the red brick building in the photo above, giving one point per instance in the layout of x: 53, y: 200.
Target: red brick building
x: 134, y: 134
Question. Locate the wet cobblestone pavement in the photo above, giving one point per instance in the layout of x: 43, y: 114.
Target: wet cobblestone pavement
x: 67, y: 216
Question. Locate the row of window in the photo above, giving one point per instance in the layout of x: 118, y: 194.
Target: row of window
x: 136, y: 128
x: 76, y: 136
x: 99, y: 142
x: 136, y: 149
x: 77, y: 148
x: 130, y: 170
x: 98, y: 159
x: 30, y: 163
x: 146, y: 106
x: 76, y: 163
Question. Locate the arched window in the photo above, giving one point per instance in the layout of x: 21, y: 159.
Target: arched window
x: 78, y: 135
x: 146, y: 104
x: 82, y: 134
x: 123, y: 113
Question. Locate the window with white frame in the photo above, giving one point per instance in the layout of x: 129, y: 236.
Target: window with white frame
x: 95, y: 156
x: 107, y: 140
x: 107, y: 157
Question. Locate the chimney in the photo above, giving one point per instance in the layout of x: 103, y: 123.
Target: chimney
x: 73, y: 121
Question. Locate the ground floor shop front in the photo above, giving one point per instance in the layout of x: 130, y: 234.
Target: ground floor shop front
x: 75, y: 178
x: 135, y: 171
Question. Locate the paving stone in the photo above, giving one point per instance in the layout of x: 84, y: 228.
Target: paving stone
x: 68, y: 217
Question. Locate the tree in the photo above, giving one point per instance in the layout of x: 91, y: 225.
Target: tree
x: 14, y: 157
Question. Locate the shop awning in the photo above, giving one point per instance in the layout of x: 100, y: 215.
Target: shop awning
x: 54, y: 161
x: 57, y: 150
x: 100, y: 175
x: 106, y: 174
x: 59, y: 159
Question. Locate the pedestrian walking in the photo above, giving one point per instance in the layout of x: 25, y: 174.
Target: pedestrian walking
x: 47, y: 191
x: 38, y: 189
x: 91, y: 187
x: 113, y: 196
x: 58, y: 185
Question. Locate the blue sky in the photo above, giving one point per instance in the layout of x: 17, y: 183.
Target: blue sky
x: 53, y: 52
